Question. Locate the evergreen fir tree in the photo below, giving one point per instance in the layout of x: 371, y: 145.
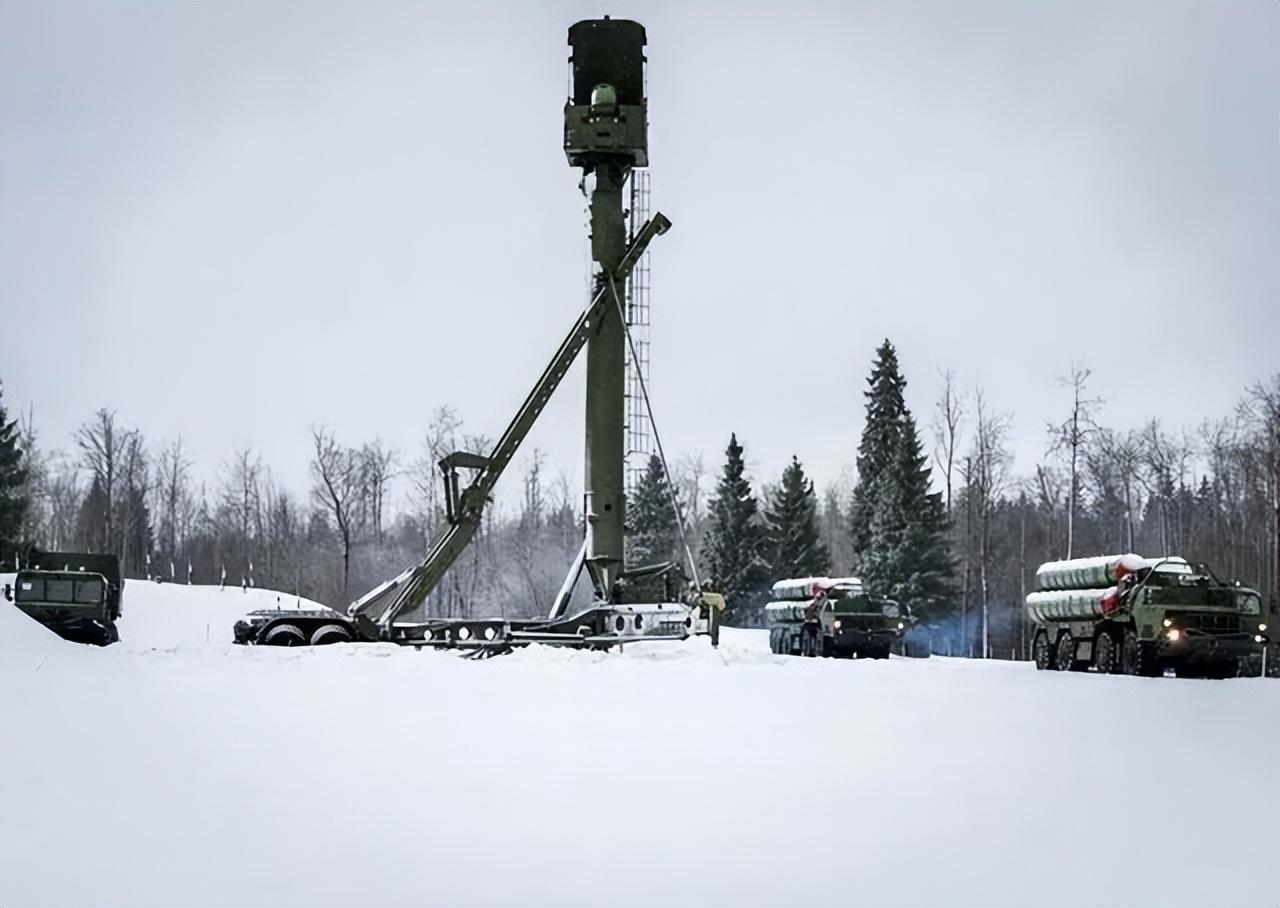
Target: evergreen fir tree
x: 13, y: 477
x: 898, y: 525
x: 654, y: 535
x: 881, y: 438
x: 794, y: 544
x: 734, y: 541
x: 91, y: 522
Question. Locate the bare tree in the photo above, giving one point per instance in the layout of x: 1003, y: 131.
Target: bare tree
x: 948, y: 416
x: 101, y: 446
x: 1124, y: 451
x: 335, y: 474
x: 134, y: 523
x: 62, y: 494
x: 1261, y: 409
x: 1073, y: 435
x: 241, y: 493
x: 440, y: 440
x: 377, y: 467
x: 173, y: 487
x: 988, y: 475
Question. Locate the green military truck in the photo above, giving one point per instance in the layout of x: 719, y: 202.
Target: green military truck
x: 1124, y: 614
x: 834, y: 616
x: 78, y: 596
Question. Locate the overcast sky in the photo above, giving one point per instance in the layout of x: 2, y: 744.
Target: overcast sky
x: 231, y: 222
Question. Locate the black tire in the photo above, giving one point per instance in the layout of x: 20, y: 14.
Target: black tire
x: 880, y: 650
x: 1064, y: 652
x: 330, y: 633
x: 284, y: 635
x: 1220, y: 671
x: 1044, y: 654
x: 1106, y: 653
x: 1136, y: 657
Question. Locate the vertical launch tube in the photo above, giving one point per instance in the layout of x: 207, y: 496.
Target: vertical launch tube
x: 606, y: 134
x: 606, y: 383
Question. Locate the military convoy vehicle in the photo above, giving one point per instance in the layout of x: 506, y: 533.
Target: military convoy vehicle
x: 835, y: 616
x: 77, y: 596
x: 1139, y: 616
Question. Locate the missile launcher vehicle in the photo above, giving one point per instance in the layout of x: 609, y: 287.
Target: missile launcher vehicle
x: 835, y: 616
x: 606, y: 135
x: 1124, y: 614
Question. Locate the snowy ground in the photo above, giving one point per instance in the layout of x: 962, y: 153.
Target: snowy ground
x: 167, y: 770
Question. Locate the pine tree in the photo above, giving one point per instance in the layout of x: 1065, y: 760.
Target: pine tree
x: 898, y: 525
x: 735, y: 539
x: 881, y: 438
x: 91, y: 523
x: 13, y: 478
x: 654, y: 534
x: 794, y: 544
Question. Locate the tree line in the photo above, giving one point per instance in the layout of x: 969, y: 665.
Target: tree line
x: 937, y: 518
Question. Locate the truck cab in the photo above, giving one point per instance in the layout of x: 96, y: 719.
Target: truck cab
x: 77, y: 596
x: 1194, y: 622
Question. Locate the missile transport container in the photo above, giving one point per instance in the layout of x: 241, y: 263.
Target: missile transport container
x: 833, y: 616
x: 1139, y: 616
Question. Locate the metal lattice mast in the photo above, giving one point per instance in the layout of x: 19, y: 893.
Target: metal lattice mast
x: 639, y: 431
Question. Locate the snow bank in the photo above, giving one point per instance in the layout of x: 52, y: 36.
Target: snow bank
x: 192, y: 773
x: 24, y: 640
x: 165, y: 616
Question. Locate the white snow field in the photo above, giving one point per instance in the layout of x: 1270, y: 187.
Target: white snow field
x: 167, y: 770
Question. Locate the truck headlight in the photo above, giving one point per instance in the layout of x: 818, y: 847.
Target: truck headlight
x: 837, y: 624
x: 901, y: 625
x: 1173, y: 635
x: 1262, y: 627
x: 1168, y: 622
x: 1258, y: 638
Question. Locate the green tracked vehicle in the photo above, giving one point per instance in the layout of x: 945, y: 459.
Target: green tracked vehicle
x: 836, y: 616
x: 78, y: 596
x: 1124, y: 614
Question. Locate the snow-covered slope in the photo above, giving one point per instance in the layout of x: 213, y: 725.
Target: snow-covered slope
x: 168, y: 770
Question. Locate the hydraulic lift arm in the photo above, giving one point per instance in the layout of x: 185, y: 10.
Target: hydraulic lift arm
x: 376, y: 611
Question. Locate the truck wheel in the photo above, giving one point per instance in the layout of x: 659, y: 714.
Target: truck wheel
x: 1066, y: 652
x: 330, y: 633
x: 1043, y: 652
x: 1136, y: 657
x: 1106, y: 658
x: 285, y: 635
x: 1220, y: 671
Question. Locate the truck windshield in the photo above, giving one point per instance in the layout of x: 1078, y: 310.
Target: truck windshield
x: 30, y: 589
x: 89, y: 592
x: 65, y: 590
